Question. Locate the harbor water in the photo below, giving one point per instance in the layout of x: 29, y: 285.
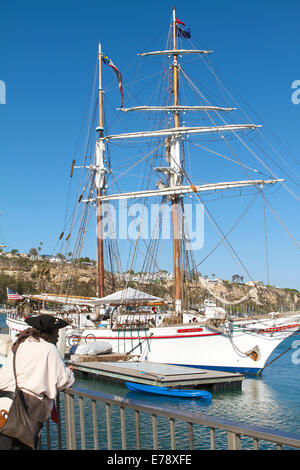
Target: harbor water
x: 271, y: 400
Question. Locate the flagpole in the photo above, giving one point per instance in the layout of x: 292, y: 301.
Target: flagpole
x: 176, y: 163
x: 99, y: 229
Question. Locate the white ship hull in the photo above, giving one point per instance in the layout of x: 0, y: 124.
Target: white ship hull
x: 187, y: 345
x: 194, y: 344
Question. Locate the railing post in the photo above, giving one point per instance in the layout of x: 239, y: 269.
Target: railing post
x: 137, y: 429
x: 123, y: 429
x: 70, y: 422
x: 172, y: 433
x: 154, y: 431
x: 81, y: 421
x: 234, y: 441
x: 95, y: 428
x: 255, y: 444
x: 191, y: 435
x: 108, y: 426
x: 59, y: 422
x: 212, y: 439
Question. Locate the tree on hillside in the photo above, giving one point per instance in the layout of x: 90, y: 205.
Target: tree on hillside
x: 33, y: 252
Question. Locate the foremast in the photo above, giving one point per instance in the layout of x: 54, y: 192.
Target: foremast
x: 100, y: 184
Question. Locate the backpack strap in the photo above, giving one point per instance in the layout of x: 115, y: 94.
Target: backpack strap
x: 14, y: 367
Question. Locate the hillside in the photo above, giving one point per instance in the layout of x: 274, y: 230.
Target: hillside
x: 34, y: 276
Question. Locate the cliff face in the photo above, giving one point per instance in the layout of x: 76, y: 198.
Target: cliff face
x: 257, y: 297
x: 29, y: 276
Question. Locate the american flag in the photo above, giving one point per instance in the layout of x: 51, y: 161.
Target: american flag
x: 12, y: 295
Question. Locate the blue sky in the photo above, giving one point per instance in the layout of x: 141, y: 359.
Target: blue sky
x: 48, y: 55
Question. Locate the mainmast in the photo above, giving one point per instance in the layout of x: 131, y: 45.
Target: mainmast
x: 99, y: 181
x: 175, y: 180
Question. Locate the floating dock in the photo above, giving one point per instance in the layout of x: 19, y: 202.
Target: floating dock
x: 153, y: 373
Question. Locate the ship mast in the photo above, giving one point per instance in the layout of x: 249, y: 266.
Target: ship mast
x: 175, y: 180
x: 175, y: 188
x: 99, y: 181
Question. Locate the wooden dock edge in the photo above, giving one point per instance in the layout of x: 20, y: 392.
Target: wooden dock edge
x: 111, y: 372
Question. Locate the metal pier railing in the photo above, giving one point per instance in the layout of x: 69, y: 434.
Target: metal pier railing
x: 94, y: 420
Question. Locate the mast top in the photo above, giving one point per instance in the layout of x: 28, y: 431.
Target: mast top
x: 100, y: 128
x: 173, y: 13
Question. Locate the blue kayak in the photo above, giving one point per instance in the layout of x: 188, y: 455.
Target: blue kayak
x: 171, y: 392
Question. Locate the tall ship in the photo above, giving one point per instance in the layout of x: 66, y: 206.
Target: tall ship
x: 164, y: 327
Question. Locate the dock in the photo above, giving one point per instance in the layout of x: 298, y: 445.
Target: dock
x: 159, y: 374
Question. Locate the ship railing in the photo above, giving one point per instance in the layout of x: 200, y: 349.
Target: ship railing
x: 79, y: 417
x: 13, y: 315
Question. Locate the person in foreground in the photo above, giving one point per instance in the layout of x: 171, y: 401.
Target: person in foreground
x: 40, y: 370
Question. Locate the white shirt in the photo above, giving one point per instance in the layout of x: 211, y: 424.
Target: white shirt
x: 40, y: 371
